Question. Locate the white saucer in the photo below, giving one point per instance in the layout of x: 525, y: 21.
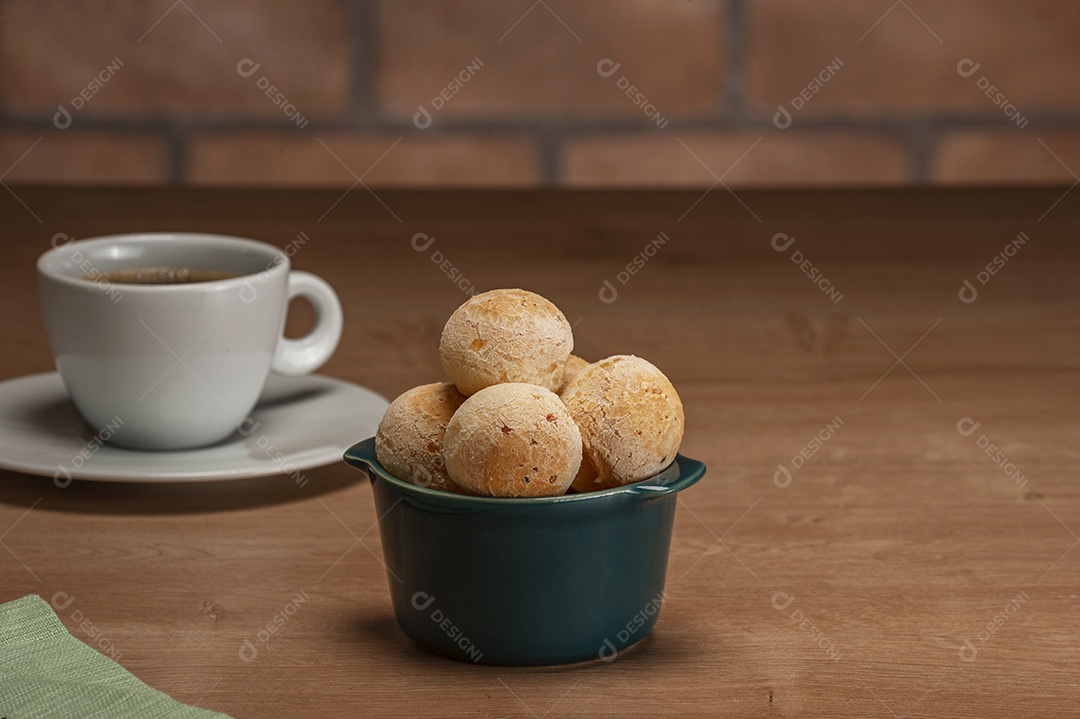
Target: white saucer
x: 303, y: 422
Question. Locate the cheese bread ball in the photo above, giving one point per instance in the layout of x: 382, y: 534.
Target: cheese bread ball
x: 409, y: 441
x: 505, y: 336
x: 630, y: 417
x: 585, y: 481
x: 513, y: 440
x: 572, y: 369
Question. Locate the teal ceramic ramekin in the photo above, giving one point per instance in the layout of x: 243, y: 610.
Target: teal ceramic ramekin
x: 526, y: 581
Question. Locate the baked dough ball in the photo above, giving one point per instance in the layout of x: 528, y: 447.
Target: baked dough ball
x: 631, y: 420
x: 513, y: 440
x: 505, y: 336
x: 585, y: 481
x: 572, y: 369
x: 409, y: 441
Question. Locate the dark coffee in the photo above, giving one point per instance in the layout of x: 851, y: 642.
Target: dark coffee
x: 160, y: 276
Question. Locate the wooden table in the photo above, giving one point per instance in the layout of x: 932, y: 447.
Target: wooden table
x: 900, y: 571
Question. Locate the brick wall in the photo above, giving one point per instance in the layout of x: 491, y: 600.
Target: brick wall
x: 555, y: 92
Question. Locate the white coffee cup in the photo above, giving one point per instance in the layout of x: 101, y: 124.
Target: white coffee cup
x: 177, y: 366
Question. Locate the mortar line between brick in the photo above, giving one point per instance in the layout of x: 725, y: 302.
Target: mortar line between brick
x: 1052, y: 121
x: 548, y: 145
x: 176, y: 155
x: 363, y: 101
x: 922, y: 148
x: 735, y: 75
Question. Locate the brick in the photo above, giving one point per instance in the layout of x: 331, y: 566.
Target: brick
x: 82, y: 156
x: 418, y: 160
x: 1006, y: 157
x: 671, y: 51
x: 171, y: 62
x: 1028, y: 50
x: 780, y: 158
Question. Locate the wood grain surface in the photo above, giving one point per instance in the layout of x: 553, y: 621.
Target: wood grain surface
x: 900, y: 571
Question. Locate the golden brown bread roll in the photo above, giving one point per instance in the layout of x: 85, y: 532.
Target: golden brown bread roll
x: 630, y: 417
x: 409, y: 441
x: 572, y: 369
x: 513, y: 440
x: 505, y: 336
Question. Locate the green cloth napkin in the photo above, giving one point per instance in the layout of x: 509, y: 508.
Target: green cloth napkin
x: 45, y: 673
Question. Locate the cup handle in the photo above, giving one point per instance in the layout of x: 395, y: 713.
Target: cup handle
x: 307, y: 354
